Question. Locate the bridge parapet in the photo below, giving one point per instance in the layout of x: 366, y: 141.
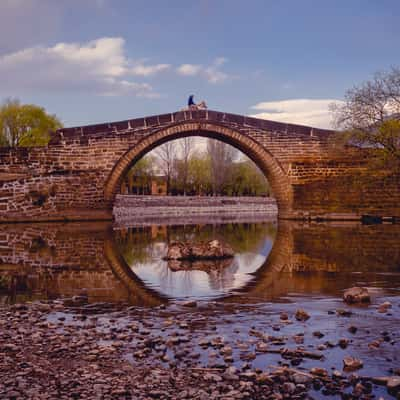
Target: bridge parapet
x: 123, y: 127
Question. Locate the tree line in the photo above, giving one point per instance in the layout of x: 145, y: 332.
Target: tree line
x: 219, y: 170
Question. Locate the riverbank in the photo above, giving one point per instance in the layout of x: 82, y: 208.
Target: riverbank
x: 71, y: 349
x: 131, y: 208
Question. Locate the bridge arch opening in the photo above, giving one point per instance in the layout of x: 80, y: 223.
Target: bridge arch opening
x: 264, y: 160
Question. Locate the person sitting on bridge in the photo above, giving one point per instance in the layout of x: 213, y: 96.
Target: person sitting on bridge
x: 193, y: 106
x: 191, y: 103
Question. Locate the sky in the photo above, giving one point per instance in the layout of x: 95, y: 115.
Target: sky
x: 93, y: 61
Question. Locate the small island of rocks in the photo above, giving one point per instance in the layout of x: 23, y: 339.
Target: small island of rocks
x: 211, y: 250
x: 211, y: 255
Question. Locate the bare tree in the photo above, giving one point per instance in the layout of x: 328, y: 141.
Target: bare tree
x: 370, y: 115
x: 186, y: 148
x: 221, y: 158
x: 166, y: 154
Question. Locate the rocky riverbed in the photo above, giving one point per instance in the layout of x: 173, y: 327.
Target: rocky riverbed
x: 73, y: 350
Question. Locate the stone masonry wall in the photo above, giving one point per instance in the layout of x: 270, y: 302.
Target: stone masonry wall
x: 67, y: 179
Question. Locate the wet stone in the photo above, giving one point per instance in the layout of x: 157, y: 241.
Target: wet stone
x: 352, y: 329
x: 384, y: 307
x: 301, y: 315
x: 356, y: 295
x: 352, y: 363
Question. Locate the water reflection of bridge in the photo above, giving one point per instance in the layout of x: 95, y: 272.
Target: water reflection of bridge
x: 60, y: 259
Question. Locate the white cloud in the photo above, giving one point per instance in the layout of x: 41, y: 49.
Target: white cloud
x: 189, y: 69
x: 211, y: 73
x: 99, y: 66
x: 312, y: 112
x: 148, y: 70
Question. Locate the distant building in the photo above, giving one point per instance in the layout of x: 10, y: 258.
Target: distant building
x: 159, y: 186
x: 155, y: 185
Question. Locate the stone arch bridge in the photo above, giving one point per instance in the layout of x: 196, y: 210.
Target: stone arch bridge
x: 79, y: 173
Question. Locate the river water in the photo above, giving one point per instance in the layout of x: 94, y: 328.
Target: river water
x: 273, y: 262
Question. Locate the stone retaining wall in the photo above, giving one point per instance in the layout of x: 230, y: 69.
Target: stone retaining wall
x: 131, y: 208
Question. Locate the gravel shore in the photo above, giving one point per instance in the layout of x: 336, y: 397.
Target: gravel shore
x: 73, y: 350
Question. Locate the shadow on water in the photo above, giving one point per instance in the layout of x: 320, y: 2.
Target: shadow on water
x: 272, y: 263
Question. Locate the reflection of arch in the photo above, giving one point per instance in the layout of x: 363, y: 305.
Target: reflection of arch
x: 298, y: 247
x: 277, y: 260
x: 265, y: 161
x: 265, y: 278
x: 134, y: 284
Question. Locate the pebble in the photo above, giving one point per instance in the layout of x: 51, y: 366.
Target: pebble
x: 352, y: 363
x: 352, y: 329
x: 393, y: 384
x: 301, y: 315
x: 384, y: 307
x: 190, y: 303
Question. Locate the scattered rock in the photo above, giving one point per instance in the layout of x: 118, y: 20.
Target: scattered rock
x: 356, y: 295
x: 301, y: 315
x: 289, y: 387
x: 351, y: 363
x: 374, y: 344
x: 384, y: 307
x: 262, y: 347
x: 343, y: 313
x: 337, y: 374
x: 319, y: 371
x: 284, y: 316
x: 190, y: 303
x: 352, y: 329
x: 76, y: 301
x: 301, y: 378
x: 393, y: 384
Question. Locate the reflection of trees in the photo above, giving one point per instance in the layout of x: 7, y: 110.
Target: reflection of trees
x: 15, y: 287
x: 242, y: 237
x: 135, y: 244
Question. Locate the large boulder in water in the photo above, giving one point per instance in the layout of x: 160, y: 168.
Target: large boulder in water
x: 356, y: 295
x: 211, y: 250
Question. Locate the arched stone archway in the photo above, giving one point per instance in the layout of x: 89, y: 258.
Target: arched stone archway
x: 271, y: 168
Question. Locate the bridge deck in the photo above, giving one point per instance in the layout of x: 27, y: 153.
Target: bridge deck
x: 180, y: 116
